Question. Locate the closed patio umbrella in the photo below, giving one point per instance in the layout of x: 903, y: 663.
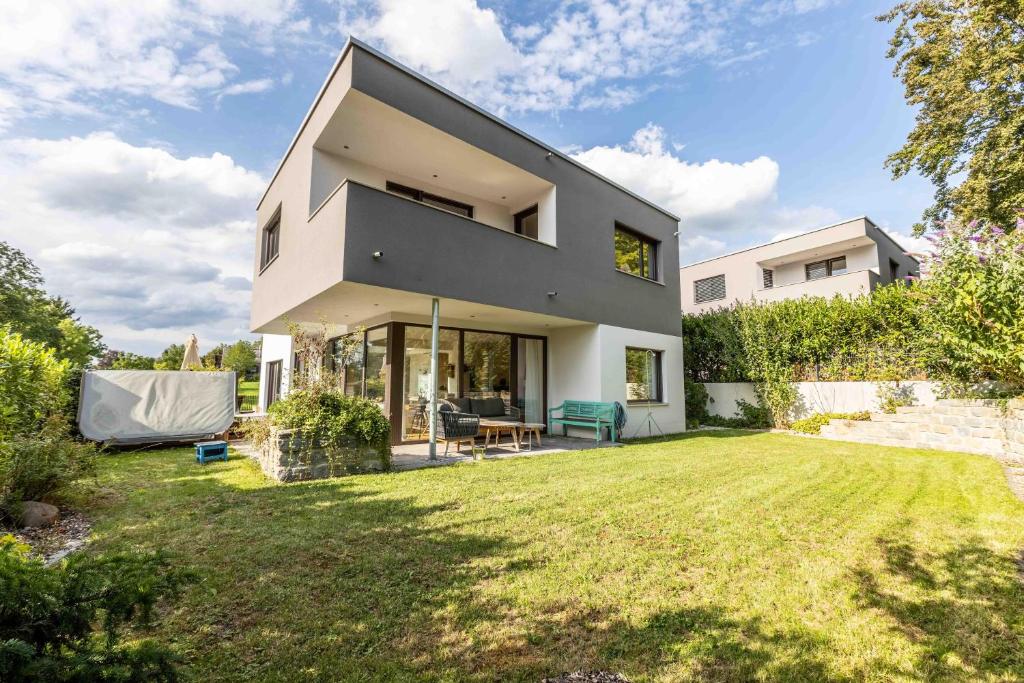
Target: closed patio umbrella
x: 191, y: 361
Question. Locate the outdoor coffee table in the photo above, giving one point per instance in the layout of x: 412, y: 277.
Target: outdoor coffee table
x: 497, y: 428
x: 530, y: 430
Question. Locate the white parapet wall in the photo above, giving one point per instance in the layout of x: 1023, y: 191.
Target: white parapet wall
x: 816, y: 397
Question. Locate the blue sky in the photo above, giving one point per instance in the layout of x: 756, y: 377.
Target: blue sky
x: 136, y: 138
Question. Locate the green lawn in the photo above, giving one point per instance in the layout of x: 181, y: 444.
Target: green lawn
x: 249, y: 388
x: 723, y: 556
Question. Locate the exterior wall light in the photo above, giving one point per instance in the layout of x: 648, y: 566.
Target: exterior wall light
x: 552, y: 294
x: 378, y: 255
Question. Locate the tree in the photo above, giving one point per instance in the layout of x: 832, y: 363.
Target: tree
x: 79, y: 343
x: 126, y: 360
x: 171, y: 358
x: 24, y: 305
x: 962, y: 64
x: 240, y: 357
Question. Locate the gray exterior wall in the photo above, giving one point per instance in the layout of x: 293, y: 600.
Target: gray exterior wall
x: 888, y: 249
x: 437, y: 253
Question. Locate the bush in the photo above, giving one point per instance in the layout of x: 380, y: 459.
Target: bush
x: 696, y: 402
x: 39, y: 467
x: 751, y: 417
x: 49, y: 616
x: 327, y: 418
x: 814, y: 423
x: 893, y: 395
x: 34, y: 385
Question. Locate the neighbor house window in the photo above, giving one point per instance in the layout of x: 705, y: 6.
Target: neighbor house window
x: 526, y: 222
x: 826, y: 268
x: 709, y: 289
x: 429, y: 199
x: 271, y: 241
x: 643, y: 375
x: 635, y: 254
x: 767, y: 278
x: 894, y: 270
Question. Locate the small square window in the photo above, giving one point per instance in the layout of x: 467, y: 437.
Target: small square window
x: 826, y: 268
x: 709, y: 289
x: 635, y: 254
x: 643, y: 376
x: 767, y: 278
x: 271, y: 241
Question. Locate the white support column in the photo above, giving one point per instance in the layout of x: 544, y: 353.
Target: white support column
x: 435, y: 334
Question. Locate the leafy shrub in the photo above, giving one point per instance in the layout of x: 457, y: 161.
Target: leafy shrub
x: 974, y: 304
x: 892, y: 395
x: 38, y: 467
x: 49, y: 616
x: 696, y: 403
x: 814, y: 423
x: 34, y: 384
x: 751, y: 417
x: 327, y: 418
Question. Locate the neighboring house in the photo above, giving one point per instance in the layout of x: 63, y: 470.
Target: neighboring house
x: 852, y: 258
x: 551, y: 279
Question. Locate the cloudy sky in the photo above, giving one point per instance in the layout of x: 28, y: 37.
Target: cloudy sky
x: 136, y: 138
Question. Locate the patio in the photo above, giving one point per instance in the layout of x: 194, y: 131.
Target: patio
x: 416, y: 456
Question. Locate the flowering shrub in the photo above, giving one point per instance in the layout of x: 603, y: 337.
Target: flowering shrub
x: 973, y: 295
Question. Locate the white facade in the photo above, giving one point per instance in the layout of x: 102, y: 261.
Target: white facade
x: 856, y: 256
x: 276, y: 348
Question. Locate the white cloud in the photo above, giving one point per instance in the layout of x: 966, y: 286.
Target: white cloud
x: 147, y: 245
x: 68, y: 56
x: 248, y: 87
x: 723, y: 205
x: 587, y: 54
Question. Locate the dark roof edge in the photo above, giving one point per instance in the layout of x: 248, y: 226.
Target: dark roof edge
x: 355, y: 42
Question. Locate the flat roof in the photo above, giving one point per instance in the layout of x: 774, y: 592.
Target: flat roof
x: 803, y: 234
x: 354, y: 42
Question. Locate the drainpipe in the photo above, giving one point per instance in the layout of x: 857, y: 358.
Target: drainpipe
x: 434, y: 339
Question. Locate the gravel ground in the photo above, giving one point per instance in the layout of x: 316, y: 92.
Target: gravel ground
x: 588, y: 677
x: 53, y: 543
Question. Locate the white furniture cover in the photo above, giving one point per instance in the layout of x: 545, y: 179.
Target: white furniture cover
x: 149, y: 406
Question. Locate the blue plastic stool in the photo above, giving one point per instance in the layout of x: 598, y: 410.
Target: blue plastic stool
x: 211, y: 450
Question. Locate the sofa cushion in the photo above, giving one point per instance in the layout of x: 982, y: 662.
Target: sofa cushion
x: 488, y: 407
x: 463, y: 405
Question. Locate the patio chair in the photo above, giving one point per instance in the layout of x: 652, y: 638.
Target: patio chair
x: 457, y: 427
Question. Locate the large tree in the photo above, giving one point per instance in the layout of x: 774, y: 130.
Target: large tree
x: 171, y: 358
x: 962, y: 65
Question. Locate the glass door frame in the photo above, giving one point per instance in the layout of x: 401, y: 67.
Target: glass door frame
x: 395, y: 362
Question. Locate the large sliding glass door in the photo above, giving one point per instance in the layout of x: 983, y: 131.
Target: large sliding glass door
x: 416, y: 385
x: 487, y: 364
x: 530, y: 380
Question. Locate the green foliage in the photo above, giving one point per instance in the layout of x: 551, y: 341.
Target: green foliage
x: 325, y: 417
x: 696, y: 402
x: 751, y: 417
x: 892, y: 395
x: 126, y: 360
x: 49, y: 616
x: 973, y: 301
x: 962, y: 64
x: 79, y: 343
x: 34, y: 384
x: 814, y: 423
x: 712, y: 350
x: 171, y: 358
x: 240, y: 357
x: 38, y: 467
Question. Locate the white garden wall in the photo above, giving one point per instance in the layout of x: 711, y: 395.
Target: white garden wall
x: 815, y: 397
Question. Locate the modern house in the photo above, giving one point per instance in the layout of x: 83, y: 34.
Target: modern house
x: 850, y: 258
x: 553, y: 282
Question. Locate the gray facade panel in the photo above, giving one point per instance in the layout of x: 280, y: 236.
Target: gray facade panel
x: 582, y: 269
x: 434, y: 252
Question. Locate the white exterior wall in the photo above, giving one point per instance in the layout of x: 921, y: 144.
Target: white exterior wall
x: 814, y: 397
x: 275, y: 347
x: 588, y: 363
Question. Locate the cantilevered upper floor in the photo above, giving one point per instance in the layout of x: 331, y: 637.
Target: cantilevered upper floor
x: 849, y: 258
x: 396, y: 183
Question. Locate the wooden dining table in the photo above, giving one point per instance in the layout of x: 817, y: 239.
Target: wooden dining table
x: 497, y: 428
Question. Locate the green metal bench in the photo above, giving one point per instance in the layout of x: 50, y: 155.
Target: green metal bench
x: 590, y: 414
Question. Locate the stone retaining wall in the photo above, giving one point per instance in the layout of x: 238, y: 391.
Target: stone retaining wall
x: 986, y: 427
x: 287, y: 458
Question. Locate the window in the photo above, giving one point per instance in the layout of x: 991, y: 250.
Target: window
x: 635, y: 254
x: 433, y: 200
x: 767, y: 278
x: 273, y: 382
x: 271, y: 240
x: 826, y: 268
x: 709, y: 289
x: 526, y: 222
x: 894, y: 270
x: 643, y: 376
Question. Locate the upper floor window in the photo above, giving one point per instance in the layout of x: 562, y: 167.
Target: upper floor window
x: 709, y: 289
x: 635, y: 254
x: 826, y: 268
x: 767, y: 278
x: 643, y: 376
x: 270, y: 241
x: 436, y: 201
x: 894, y: 270
x: 526, y: 222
